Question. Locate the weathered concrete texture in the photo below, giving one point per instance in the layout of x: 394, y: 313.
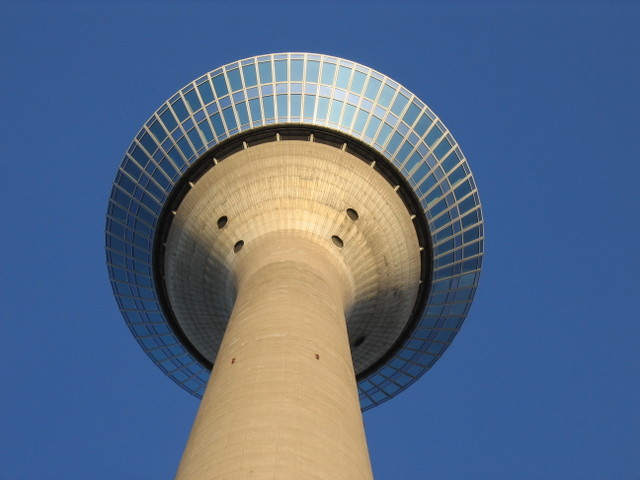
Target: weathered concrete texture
x: 282, y: 400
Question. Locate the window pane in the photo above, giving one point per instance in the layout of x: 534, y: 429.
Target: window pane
x: 254, y: 106
x: 313, y: 68
x: 386, y: 95
x: 220, y: 86
x: 296, y: 101
x: 249, y: 73
x: 358, y: 81
x: 180, y: 109
x: 205, y: 92
x: 283, y: 110
x: 234, y: 79
x: 265, y: 72
x: 193, y: 100
x: 336, y: 110
x: 281, y: 70
x: 267, y: 103
x: 309, y: 105
x: 344, y: 74
x: 296, y: 70
x: 372, y: 88
x: 328, y: 72
x: 323, y: 106
x: 241, y: 108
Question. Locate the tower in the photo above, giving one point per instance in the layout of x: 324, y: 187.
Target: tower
x: 309, y: 232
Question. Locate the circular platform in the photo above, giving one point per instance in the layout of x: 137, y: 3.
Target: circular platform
x: 348, y: 120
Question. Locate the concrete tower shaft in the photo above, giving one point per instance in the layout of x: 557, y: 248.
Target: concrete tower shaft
x: 296, y: 242
x: 282, y: 399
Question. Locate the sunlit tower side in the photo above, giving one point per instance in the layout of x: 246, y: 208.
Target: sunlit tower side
x: 293, y: 238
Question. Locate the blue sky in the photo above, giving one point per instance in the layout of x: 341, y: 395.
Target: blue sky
x: 542, y: 381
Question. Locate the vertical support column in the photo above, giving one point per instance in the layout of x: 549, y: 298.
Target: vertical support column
x: 282, y: 400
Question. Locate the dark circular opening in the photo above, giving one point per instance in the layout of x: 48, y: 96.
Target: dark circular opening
x: 337, y: 241
x: 352, y: 214
x: 238, y: 246
x: 222, y: 221
x: 358, y: 341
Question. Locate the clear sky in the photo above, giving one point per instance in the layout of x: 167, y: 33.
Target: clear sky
x: 544, y: 98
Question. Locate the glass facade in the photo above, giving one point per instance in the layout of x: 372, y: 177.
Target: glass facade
x: 298, y: 88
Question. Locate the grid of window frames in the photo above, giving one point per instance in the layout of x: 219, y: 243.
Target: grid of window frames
x: 308, y: 89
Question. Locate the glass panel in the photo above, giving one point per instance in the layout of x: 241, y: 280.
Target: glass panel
x: 158, y: 131
x: 283, y: 110
x: 358, y: 82
x: 218, y: 127
x: 229, y: 118
x: 441, y: 150
x: 281, y: 71
x: 469, y: 202
x: 296, y: 70
x: 323, y: 106
x: 433, y: 136
x: 180, y: 109
x: 336, y: 110
x: 471, y: 235
x: 349, y: 113
x: 412, y: 162
x: 411, y: 114
x: 344, y: 74
x: 168, y: 120
x: 313, y: 68
x: 328, y: 72
x: 399, y: 104
x: 193, y: 100
x: 206, y: 131
x: 394, y: 142
x: 372, y: 88
x: 384, y: 134
x: 148, y: 143
x: 265, y: 72
x: 241, y: 108
x: 220, y: 86
x: 267, y: 103
x: 372, y: 128
x: 457, y: 175
x: 234, y: 79
x: 386, y: 95
x: 167, y: 167
x: 254, y: 106
x: 470, y: 219
x: 309, y: 105
x: 296, y: 105
x: 195, y: 138
x: 360, y: 121
x: 176, y: 157
x: 422, y: 125
x: 205, y: 92
x: 451, y: 161
x: 140, y: 156
x: 250, y: 76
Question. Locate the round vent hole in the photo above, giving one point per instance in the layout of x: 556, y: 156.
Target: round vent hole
x: 222, y: 221
x: 337, y: 241
x: 352, y: 214
x: 238, y: 246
